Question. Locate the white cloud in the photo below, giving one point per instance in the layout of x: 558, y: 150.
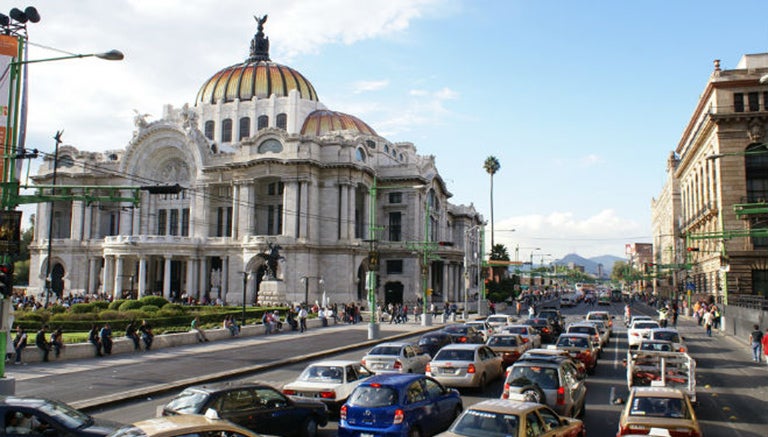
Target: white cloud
x: 591, y: 160
x: 418, y: 93
x: 447, y: 94
x: 560, y: 232
x: 369, y: 85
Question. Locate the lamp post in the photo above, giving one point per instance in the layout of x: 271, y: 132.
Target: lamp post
x: 467, y: 281
x: 245, y: 288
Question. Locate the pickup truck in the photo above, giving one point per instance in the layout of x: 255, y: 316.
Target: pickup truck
x: 396, y: 357
x: 669, y: 369
x: 639, y: 330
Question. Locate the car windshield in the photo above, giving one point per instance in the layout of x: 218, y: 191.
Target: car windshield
x: 506, y: 340
x: 456, y: 329
x: 187, y: 402
x: 573, y: 342
x: 323, y: 373
x: 455, y: 355
x: 66, y: 415
x: 582, y: 330
x: 373, y: 396
x: 497, y: 319
x: 667, y: 335
x: 653, y: 346
x: 475, y: 423
x: 432, y: 339
x: 385, y: 350
x: 545, y: 377
x: 659, y: 407
x: 597, y: 316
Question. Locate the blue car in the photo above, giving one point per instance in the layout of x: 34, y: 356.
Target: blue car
x: 399, y: 405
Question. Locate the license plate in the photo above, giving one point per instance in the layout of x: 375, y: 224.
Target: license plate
x: 365, y: 434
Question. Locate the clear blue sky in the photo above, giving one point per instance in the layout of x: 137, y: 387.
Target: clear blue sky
x: 581, y: 101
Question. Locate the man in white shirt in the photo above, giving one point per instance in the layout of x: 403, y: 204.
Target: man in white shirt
x: 303, y: 319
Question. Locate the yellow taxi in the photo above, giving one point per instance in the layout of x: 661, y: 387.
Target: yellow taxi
x: 513, y: 418
x: 184, y: 425
x: 658, y: 408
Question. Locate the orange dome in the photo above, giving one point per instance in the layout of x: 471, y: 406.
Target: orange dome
x: 322, y: 121
x: 258, y: 79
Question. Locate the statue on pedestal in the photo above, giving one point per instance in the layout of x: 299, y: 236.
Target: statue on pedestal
x: 271, y: 257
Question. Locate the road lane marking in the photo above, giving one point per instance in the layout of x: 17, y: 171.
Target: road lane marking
x: 616, y: 354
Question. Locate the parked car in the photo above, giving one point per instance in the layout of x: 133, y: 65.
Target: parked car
x: 329, y: 382
x: 498, y: 321
x: 431, y: 342
x: 658, y: 407
x: 465, y: 365
x: 501, y: 418
x: 528, y: 333
x: 185, y: 425
x: 552, y: 381
x: 463, y: 333
x: 580, y: 347
x: 256, y: 406
x: 544, y: 327
x: 394, y: 404
x: 40, y: 416
x: 671, y: 335
x: 397, y: 357
x: 508, y: 346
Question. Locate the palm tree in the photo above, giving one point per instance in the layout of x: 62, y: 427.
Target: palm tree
x: 491, y: 166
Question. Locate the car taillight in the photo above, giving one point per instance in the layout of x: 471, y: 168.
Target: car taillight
x: 471, y: 368
x: 362, y: 362
x: 289, y: 392
x: 682, y: 349
x: 328, y: 394
x: 636, y: 334
x: 399, y: 416
x: 462, y: 339
x: 428, y: 369
x: 343, y: 413
x: 505, y: 393
x: 397, y: 365
x: 525, y: 339
x: 561, y: 396
x: 545, y: 330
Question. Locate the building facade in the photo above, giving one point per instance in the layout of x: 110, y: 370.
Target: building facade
x: 722, y: 177
x: 667, y: 245
x: 263, y: 165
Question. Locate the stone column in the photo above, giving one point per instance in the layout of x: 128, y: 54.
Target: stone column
x: 87, y: 222
x: 93, y: 275
x: 313, y: 212
x: 142, y: 277
x: 43, y: 210
x: 106, y: 283
x: 344, y: 211
x: 167, y: 278
x: 202, y: 283
x: 350, y: 223
x: 291, y: 208
x: 118, y: 290
x: 235, y: 211
x: 224, y: 277
x: 76, y: 224
x: 304, y: 214
x: 246, y: 211
x: 190, y: 286
x: 136, y: 221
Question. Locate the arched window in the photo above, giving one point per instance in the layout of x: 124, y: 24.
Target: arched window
x: 281, y: 121
x: 756, y: 163
x: 245, y: 128
x: 360, y: 154
x: 270, y: 145
x: 209, y: 125
x: 263, y: 122
x: 226, y: 130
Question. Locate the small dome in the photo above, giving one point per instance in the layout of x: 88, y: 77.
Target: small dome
x: 322, y: 121
x: 258, y: 79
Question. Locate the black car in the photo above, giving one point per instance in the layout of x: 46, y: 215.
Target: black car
x: 544, y: 327
x: 431, y: 342
x: 258, y: 407
x: 554, y: 316
x: 464, y: 334
x: 37, y: 416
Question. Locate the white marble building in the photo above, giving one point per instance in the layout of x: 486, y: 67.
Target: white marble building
x: 261, y: 160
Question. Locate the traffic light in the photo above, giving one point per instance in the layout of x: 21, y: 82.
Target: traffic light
x: 692, y: 249
x: 6, y: 279
x: 373, y: 260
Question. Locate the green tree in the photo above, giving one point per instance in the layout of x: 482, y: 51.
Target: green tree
x: 499, y: 253
x: 491, y: 166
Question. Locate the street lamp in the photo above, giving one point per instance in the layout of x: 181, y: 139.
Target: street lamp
x: 245, y: 287
x: 467, y: 281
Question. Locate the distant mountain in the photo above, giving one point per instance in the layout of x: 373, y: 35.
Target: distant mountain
x: 591, y: 265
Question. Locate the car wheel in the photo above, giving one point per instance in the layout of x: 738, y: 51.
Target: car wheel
x: 533, y: 393
x: 310, y: 428
x: 483, y: 383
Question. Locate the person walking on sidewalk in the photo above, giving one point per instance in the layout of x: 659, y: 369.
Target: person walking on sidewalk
x: 709, y: 319
x: 303, y: 319
x: 756, y: 340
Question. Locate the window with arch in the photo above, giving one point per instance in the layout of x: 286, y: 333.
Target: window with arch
x: 281, y: 121
x: 245, y: 128
x: 370, y: 143
x: 386, y: 148
x: 226, y: 130
x: 270, y: 145
x: 209, y: 126
x: 360, y: 155
x: 262, y: 122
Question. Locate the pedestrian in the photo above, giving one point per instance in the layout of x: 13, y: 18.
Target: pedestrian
x: 93, y: 338
x: 195, y: 327
x: 57, y: 342
x: 709, y: 319
x: 130, y: 332
x: 146, y: 334
x: 303, y: 319
x: 518, y: 306
x: 531, y: 311
x: 716, y: 314
x: 105, y: 335
x: 19, y: 343
x: 756, y: 340
x: 42, y: 343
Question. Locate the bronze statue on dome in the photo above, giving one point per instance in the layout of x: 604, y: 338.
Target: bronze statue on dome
x: 259, y: 43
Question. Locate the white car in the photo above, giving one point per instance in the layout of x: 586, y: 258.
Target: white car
x: 526, y: 331
x: 498, y: 321
x: 483, y: 327
x: 465, y: 365
x: 639, y: 330
x: 330, y: 382
x: 396, y: 357
x: 671, y: 335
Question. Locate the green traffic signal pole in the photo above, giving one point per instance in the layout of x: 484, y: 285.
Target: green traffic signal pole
x: 373, y: 259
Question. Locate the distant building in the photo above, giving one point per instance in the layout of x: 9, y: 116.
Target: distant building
x: 262, y: 163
